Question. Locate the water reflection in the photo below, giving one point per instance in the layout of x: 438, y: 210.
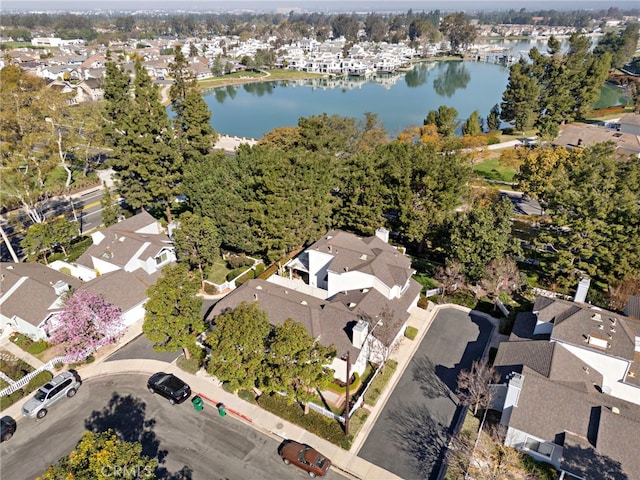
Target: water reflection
x: 418, y: 75
x: 451, y: 77
x: 223, y: 93
x: 260, y: 88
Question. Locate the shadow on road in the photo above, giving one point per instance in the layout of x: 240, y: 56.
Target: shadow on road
x: 422, y: 437
x: 127, y: 417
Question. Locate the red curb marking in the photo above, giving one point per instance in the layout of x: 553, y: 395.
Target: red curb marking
x: 230, y: 410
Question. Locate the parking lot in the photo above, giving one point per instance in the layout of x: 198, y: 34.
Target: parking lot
x: 410, y: 435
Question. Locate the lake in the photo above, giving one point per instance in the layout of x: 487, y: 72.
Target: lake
x: 399, y: 100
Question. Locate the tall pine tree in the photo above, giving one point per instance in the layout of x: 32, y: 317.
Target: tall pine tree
x: 147, y: 167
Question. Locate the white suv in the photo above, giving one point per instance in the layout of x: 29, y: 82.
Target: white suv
x: 64, y: 385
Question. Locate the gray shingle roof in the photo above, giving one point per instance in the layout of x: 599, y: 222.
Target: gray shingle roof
x: 32, y: 298
x: 330, y: 321
x: 369, y: 255
x: 562, y: 412
x: 122, y: 241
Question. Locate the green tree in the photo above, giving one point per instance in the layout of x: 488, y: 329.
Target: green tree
x: 444, y: 118
x: 36, y: 240
x: 173, y: 317
x: 493, y: 119
x: 96, y: 457
x: 197, y: 242
x: 238, y: 346
x: 472, y: 126
x: 426, y: 186
x: 460, y: 32
x: 110, y: 207
x: 147, y: 167
x: 62, y: 232
x: 192, y: 122
x: 520, y: 99
x: 481, y: 235
x: 296, y: 363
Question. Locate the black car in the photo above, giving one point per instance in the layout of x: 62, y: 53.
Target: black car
x: 169, y: 386
x: 7, y: 428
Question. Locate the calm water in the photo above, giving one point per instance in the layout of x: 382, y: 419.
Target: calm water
x: 400, y: 100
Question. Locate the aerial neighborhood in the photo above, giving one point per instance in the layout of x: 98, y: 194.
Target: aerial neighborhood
x: 458, y: 300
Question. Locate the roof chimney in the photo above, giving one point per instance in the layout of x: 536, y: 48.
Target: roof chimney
x: 582, y: 290
x: 360, y: 332
x: 383, y: 234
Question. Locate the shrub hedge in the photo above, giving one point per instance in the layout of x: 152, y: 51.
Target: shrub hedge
x: 411, y: 333
x: 316, y: 423
x: 380, y: 382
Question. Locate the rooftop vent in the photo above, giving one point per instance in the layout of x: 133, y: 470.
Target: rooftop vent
x: 597, y: 317
x: 613, y: 320
x: 363, y: 256
x: 60, y: 287
x: 615, y: 410
x: 259, y: 287
x: 303, y: 302
x: 352, y: 304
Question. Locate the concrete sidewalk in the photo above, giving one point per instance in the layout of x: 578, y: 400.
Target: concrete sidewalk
x: 346, y: 462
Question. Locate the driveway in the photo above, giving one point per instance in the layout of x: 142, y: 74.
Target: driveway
x: 409, y: 437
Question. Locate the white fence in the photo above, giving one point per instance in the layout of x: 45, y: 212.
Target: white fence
x: 325, y: 412
x: 18, y: 384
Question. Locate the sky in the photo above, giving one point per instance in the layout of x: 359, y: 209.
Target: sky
x: 327, y: 6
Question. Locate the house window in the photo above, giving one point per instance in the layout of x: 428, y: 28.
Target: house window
x: 543, y: 448
x: 162, y: 258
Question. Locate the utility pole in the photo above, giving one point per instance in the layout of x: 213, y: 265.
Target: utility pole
x: 346, y: 418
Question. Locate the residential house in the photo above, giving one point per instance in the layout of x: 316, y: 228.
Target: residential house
x: 30, y: 296
x: 353, y: 293
x: 582, y: 136
x: 571, y: 381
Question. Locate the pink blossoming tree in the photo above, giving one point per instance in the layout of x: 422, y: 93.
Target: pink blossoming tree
x: 86, y: 323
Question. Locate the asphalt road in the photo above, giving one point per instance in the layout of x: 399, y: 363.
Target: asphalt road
x: 83, y: 208
x: 409, y: 437
x: 188, y: 444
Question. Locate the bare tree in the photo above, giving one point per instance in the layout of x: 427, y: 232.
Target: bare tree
x: 474, y: 385
x: 620, y: 292
x: 487, y: 458
x: 383, y: 330
x: 450, y: 277
x: 501, y: 274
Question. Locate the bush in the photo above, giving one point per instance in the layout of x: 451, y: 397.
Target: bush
x: 259, y: 269
x: 237, y: 261
x: 493, y: 140
x: 465, y: 298
x: 341, y: 387
x: 379, y: 383
x: 411, y: 333
x: 7, y: 400
x: 245, y: 278
x: 316, y: 423
x: 235, y: 272
x: 423, y: 302
x: 247, y: 396
x: 37, y: 347
x: 191, y: 365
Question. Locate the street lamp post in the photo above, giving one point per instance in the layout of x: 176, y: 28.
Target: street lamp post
x: 346, y: 418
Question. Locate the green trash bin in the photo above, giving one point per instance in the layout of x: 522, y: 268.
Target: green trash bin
x: 222, y: 410
x: 198, y: 404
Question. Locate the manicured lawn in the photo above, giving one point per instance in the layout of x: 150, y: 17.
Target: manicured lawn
x: 218, y: 273
x: 492, y: 170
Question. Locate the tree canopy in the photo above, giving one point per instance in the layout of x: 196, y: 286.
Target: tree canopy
x: 102, y: 456
x: 86, y: 322
x: 173, y: 317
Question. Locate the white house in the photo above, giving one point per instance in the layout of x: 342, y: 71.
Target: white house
x: 350, y: 292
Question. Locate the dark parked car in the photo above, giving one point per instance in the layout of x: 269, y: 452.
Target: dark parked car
x: 305, y: 457
x: 7, y: 428
x: 169, y: 386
